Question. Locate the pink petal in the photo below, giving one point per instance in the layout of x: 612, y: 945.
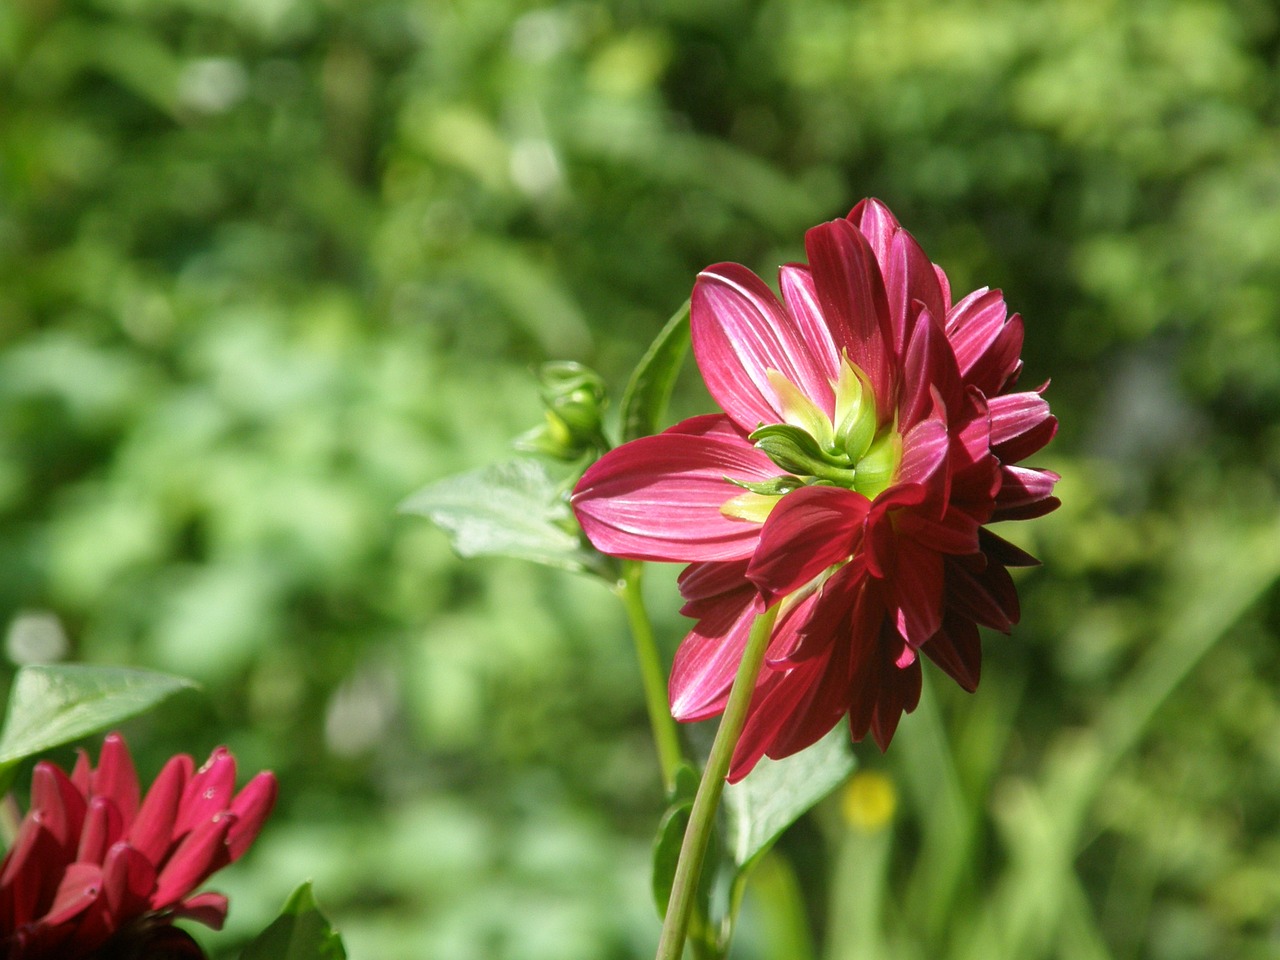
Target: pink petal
x: 929, y: 366
x: 1020, y: 425
x: 202, y: 851
x: 152, y: 831
x: 740, y: 332
x: 116, y: 777
x: 707, y: 659
x: 207, y: 908
x: 851, y: 292
x: 1025, y: 493
x: 801, y: 298
x: 909, y: 277
x: 955, y: 533
x: 703, y: 583
x: 103, y: 826
x: 57, y: 804
x: 251, y: 808
x: 659, y: 498
x: 208, y: 793
x: 778, y: 701
x: 80, y: 886
x: 808, y: 531
x: 822, y: 619
x: 128, y: 878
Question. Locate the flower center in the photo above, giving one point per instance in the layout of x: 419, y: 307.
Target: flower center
x: 849, y: 450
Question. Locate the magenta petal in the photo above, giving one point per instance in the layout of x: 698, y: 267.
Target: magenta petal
x: 1020, y: 425
x: 208, y: 793
x: 915, y: 592
x: 1004, y: 552
x: 659, y: 498
x: 81, y: 884
x: 929, y: 368
x: 707, y: 659
x: 851, y: 292
x: 801, y: 298
x: 116, y: 777
x: 252, y: 806
x: 102, y: 827
x: 202, y: 851
x: 152, y: 830
x: 207, y: 908
x: 1025, y: 493
x: 957, y: 649
x: 58, y: 804
x: 808, y: 531
x: 740, y: 332
x: 128, y: 878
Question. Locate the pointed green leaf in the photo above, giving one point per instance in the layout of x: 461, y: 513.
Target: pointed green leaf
x: 301, y: 932
x: 777, y: 792
x: 50, y: 705
x: 644, y: 403
x: 510, y: 509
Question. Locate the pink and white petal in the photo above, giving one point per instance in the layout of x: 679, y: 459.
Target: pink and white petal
x: 1020, y: 425
x: 852, y: 297
x: 877, y: 223
x: 909, y: 281
x: 1025, y: 493
x: 659, y: 497
x: 740, y: 332
x: 809, y: 530
x: 800, y: 296
x: 929, y: 366
x: 707, y: 659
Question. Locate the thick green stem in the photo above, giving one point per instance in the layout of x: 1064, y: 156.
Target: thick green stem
x: 665, y: 736
x: 702, y: 817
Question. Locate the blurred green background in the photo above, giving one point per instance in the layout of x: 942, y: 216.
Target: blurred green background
x: 268, y: 266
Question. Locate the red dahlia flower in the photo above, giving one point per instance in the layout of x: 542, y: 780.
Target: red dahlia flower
x: 99, y: 872
x: 870, y: 429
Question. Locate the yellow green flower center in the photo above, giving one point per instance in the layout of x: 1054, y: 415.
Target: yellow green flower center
x: 848, y: 450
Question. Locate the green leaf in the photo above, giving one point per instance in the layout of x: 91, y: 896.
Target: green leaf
x: 777, y: 792
x: 50, y: 705
x: 510, y: 509
x: 301, y: 932
x: 645, y: 400
x: 666, y: 845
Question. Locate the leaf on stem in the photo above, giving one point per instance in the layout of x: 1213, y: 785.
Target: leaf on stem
x: 644, y: 403
x: 509, y: 509
x: 301, y: 932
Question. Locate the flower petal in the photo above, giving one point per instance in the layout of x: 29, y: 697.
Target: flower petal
x: 707, y: 659
x: 152, y: 831
x: 251, y: 807
x: 851, y: 293
x: 808, y: 531
x: 659, y: 497
x: 116, y: 777
x: 1025, y: 493
x: 740, y: 332
x: 1020, y: 425
x: 957, y: 649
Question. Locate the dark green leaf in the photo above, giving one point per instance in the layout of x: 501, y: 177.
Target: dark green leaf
x: 50, y: 705
x: 645, y: 400
x: 510, y: 509
x: 301, y: 932
x: 777, y: 792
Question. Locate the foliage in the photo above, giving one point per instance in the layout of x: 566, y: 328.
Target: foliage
x: 268, y: 268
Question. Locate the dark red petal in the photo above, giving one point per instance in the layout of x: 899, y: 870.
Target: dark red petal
x: 778, y: 700
x: 915, y: 592
x: 707, y: 659
x: 986, y: 596
x: 740, y: 332
x: 901, y: 694
x: 659, y: 498
x: 701, y: 582
x: 851, y: 292
x: 955, y: 533
x: 823, y: 620
x: 58, y: 805
x: 1004, y: 552
x: 957, y: 649
x: 808, y: 531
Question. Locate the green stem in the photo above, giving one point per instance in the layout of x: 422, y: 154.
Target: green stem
x: 702, y: 817
x: 665, y: 736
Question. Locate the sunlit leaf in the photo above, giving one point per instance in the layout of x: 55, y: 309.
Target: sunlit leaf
x: 778, y: 792
x: 51, y: 705
x: 301, y: 932
x: 510, y: 509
